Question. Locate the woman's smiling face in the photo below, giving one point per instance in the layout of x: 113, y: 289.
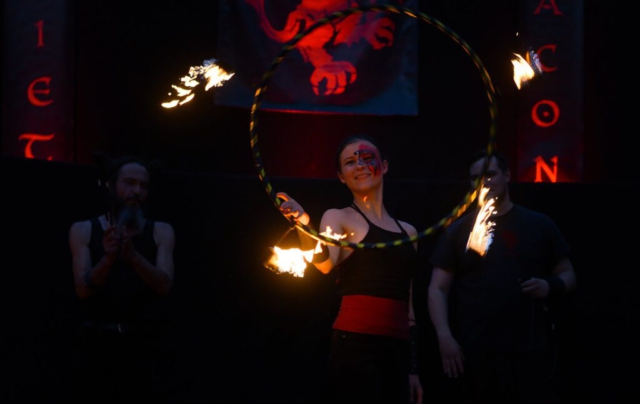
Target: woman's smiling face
x: 360, y: 163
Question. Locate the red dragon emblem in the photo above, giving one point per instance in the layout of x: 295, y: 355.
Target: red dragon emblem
x: 331, y: 75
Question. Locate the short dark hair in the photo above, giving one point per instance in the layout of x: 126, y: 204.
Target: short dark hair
x: 110, y: 167
x: 501, y: 159
x: 352, y: 139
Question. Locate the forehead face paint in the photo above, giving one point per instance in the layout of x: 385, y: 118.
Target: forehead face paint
x: 369, y: 158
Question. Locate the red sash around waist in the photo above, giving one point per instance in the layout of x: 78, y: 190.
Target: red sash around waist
x: 373, y: 315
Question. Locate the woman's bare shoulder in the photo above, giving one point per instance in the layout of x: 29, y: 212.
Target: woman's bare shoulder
x: 409, y: 228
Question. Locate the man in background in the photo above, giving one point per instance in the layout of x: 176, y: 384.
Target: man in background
x: 490, y: 307
x: 122, y: 269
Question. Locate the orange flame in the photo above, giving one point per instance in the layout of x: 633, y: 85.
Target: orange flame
x: 294, y: 260
x: 481, y: 235
x: 328, y: 233
x: 522, y: 71
x: 526, y: 69
x: 213, y: 74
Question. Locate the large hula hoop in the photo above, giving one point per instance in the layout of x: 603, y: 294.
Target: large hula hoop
x: 262, y: 88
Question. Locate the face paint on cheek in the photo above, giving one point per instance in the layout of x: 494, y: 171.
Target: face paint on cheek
x: 374, y: 167
x: 369, y: 158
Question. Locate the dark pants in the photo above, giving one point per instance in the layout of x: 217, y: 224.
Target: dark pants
x: 368, y: 369
x: 115, y: 364
x: 505, y: 378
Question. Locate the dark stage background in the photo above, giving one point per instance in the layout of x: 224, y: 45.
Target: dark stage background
x: 128, y: 54
x: 243, y: 333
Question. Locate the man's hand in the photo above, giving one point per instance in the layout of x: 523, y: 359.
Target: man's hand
x: 452, y: 356
x: 535, y: 287
x: 415, y: 389
x: 111, y: 242
x: 128, y: 251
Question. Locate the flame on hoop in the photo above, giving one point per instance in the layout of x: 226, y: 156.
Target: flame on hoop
x: 525, y: 69
x: 328, y: 233
x: 210, y: 72
x: 481, y: 235
x: 294, y: 260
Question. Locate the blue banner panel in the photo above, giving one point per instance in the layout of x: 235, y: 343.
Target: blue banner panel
x: 550, y: 105
x: 37, y: 99
x: 361, y: 63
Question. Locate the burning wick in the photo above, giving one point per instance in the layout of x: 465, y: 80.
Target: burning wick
x: 214, y: 75
x: 481, y: 236
x: 294, y: 260
x: 328, y: 233
x: 525, y: 69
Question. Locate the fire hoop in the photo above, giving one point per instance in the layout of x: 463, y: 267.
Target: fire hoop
x: 259, y: 94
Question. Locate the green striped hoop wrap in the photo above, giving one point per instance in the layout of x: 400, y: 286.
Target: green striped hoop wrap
x: 289, y: 46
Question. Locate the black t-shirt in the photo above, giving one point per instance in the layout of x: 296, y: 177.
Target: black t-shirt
x: 488, y: 311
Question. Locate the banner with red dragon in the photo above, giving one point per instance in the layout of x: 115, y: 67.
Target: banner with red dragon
x: 360, y: 63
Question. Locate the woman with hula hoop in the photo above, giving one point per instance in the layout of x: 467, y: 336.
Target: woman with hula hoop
x: 373, y: 353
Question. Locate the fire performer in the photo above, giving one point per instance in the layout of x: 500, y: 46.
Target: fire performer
x: 123, y: 270
x: 490, y: 312
x: 373, y: 346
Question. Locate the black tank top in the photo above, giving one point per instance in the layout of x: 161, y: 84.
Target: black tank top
x: 124, y: 298
x: 381, y: 272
